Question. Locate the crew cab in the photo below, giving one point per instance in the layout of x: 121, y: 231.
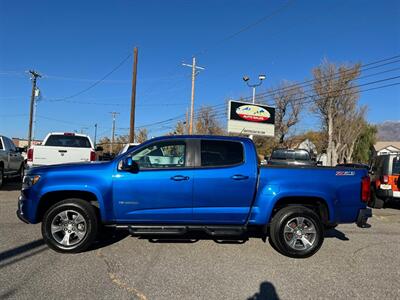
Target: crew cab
x: 11, y: 160
x: 59, y: 148
x: 178, y: 184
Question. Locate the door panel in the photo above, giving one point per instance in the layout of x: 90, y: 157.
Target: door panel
x: 224, y: 194
x: 153, y: 196
x: 162, y: 190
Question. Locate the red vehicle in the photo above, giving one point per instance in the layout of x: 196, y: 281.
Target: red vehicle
x: 385, y: 182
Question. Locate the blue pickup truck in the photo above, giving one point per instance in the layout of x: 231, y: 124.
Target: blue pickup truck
x: 176, y: 184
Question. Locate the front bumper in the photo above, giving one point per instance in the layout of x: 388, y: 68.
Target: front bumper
x: 363, y: 215
x: 21, y: 209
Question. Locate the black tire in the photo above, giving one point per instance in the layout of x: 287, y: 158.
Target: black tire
x: 375, y: 201
x: 79, y: 206
x: 311, y: 221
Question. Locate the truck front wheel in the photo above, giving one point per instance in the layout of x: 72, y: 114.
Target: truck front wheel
x: 296, y: 231
x: 70, y: 226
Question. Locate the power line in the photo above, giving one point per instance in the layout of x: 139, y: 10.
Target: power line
x: 222, y: 110
x: 248, y: 27
x: 95, y: 83
x: 310, y: 81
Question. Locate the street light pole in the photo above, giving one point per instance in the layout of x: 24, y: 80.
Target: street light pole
x: 246, y: 79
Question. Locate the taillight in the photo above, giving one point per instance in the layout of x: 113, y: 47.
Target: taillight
x: 365, y: 189
x: 384, y: 179
x: 30, y: 154
x: 92, y: 156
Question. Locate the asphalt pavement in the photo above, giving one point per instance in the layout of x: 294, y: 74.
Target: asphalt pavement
x: 352, y: 263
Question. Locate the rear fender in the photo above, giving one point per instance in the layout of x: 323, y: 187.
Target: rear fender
x: 268, y: 197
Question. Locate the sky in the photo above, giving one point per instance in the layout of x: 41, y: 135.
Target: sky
x: 73, y: 44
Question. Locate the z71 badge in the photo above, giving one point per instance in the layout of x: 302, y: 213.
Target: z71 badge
x: 345, y: 173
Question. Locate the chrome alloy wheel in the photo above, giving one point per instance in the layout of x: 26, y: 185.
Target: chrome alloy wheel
x: 300, y: 233
x: 68, y: 228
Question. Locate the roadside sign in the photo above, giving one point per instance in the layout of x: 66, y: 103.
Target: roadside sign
x: 251, y: 119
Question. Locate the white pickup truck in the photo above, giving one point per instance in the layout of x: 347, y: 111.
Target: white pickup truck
x: 60, y: 148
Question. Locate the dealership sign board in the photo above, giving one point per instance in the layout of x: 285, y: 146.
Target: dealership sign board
x: 251, y: 119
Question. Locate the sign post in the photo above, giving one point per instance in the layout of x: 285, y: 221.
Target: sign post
x: 251, y: 119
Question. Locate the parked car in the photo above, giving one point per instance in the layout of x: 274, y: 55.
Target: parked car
x: 353, y: 165
x: 385, y: 173
x: 59, y: 148
x: 11, y: 160
x: 176, y: 184
x: 291, y: 157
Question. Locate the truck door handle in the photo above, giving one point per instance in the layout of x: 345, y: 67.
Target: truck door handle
x: 179, y: 178
x: 62, y: 151
x: 239, y: 177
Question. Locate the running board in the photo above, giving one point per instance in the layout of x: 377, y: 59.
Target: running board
x: 213, y: 230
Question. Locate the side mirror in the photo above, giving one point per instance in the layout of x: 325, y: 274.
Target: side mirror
x: 98, y: 148
x: 319, y: 163
x: 129, y: 165
x: 21, y: 149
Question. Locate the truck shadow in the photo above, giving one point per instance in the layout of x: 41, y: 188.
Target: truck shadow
x: 22, y: 252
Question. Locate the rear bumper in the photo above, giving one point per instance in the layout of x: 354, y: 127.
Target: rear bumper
x: 388, y: 194
x: 363, y: 215
x: 384, y: 194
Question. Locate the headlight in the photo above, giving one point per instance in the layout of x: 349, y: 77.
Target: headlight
x: 30, y: 180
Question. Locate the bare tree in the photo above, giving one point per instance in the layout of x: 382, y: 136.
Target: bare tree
x: 207, y: 123
x: 335, y: 102
x: 180, y: 128
x: 141, y: 135
x: 288, y: 106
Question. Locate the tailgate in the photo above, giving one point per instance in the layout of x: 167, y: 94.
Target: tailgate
x: 48, y: 155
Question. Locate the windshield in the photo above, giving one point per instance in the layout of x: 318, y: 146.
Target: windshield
x: 68, y: 141
x: 290, y: 154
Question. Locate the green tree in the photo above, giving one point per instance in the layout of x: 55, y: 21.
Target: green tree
x: 365, y: 143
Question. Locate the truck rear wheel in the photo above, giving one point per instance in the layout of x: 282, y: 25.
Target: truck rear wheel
x: 70, y: 226
x: 297, y: 232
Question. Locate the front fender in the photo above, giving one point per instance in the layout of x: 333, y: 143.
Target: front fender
x: 105, y: 212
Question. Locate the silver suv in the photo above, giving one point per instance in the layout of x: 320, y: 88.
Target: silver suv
x: 11, y: 161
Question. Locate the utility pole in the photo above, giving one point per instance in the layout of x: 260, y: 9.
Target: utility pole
x: 35, y: 75
x: 113, y: 130
x: 187, y: 120
x: 194, y: 68
x: 133, y: 96
x: 95, y: 134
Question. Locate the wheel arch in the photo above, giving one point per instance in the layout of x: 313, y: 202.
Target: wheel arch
x: 316, y: 203
x: 52, y: 197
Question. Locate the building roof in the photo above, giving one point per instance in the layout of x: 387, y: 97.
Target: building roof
x: 384, y: 144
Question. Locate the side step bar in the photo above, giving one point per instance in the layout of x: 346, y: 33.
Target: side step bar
x: 213, y: 230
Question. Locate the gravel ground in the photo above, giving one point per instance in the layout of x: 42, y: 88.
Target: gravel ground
x: 352, y: 263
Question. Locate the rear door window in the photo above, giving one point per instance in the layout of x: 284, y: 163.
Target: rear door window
x: 59, y: 140
x: 1, y: 144
x: 221, y: 153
